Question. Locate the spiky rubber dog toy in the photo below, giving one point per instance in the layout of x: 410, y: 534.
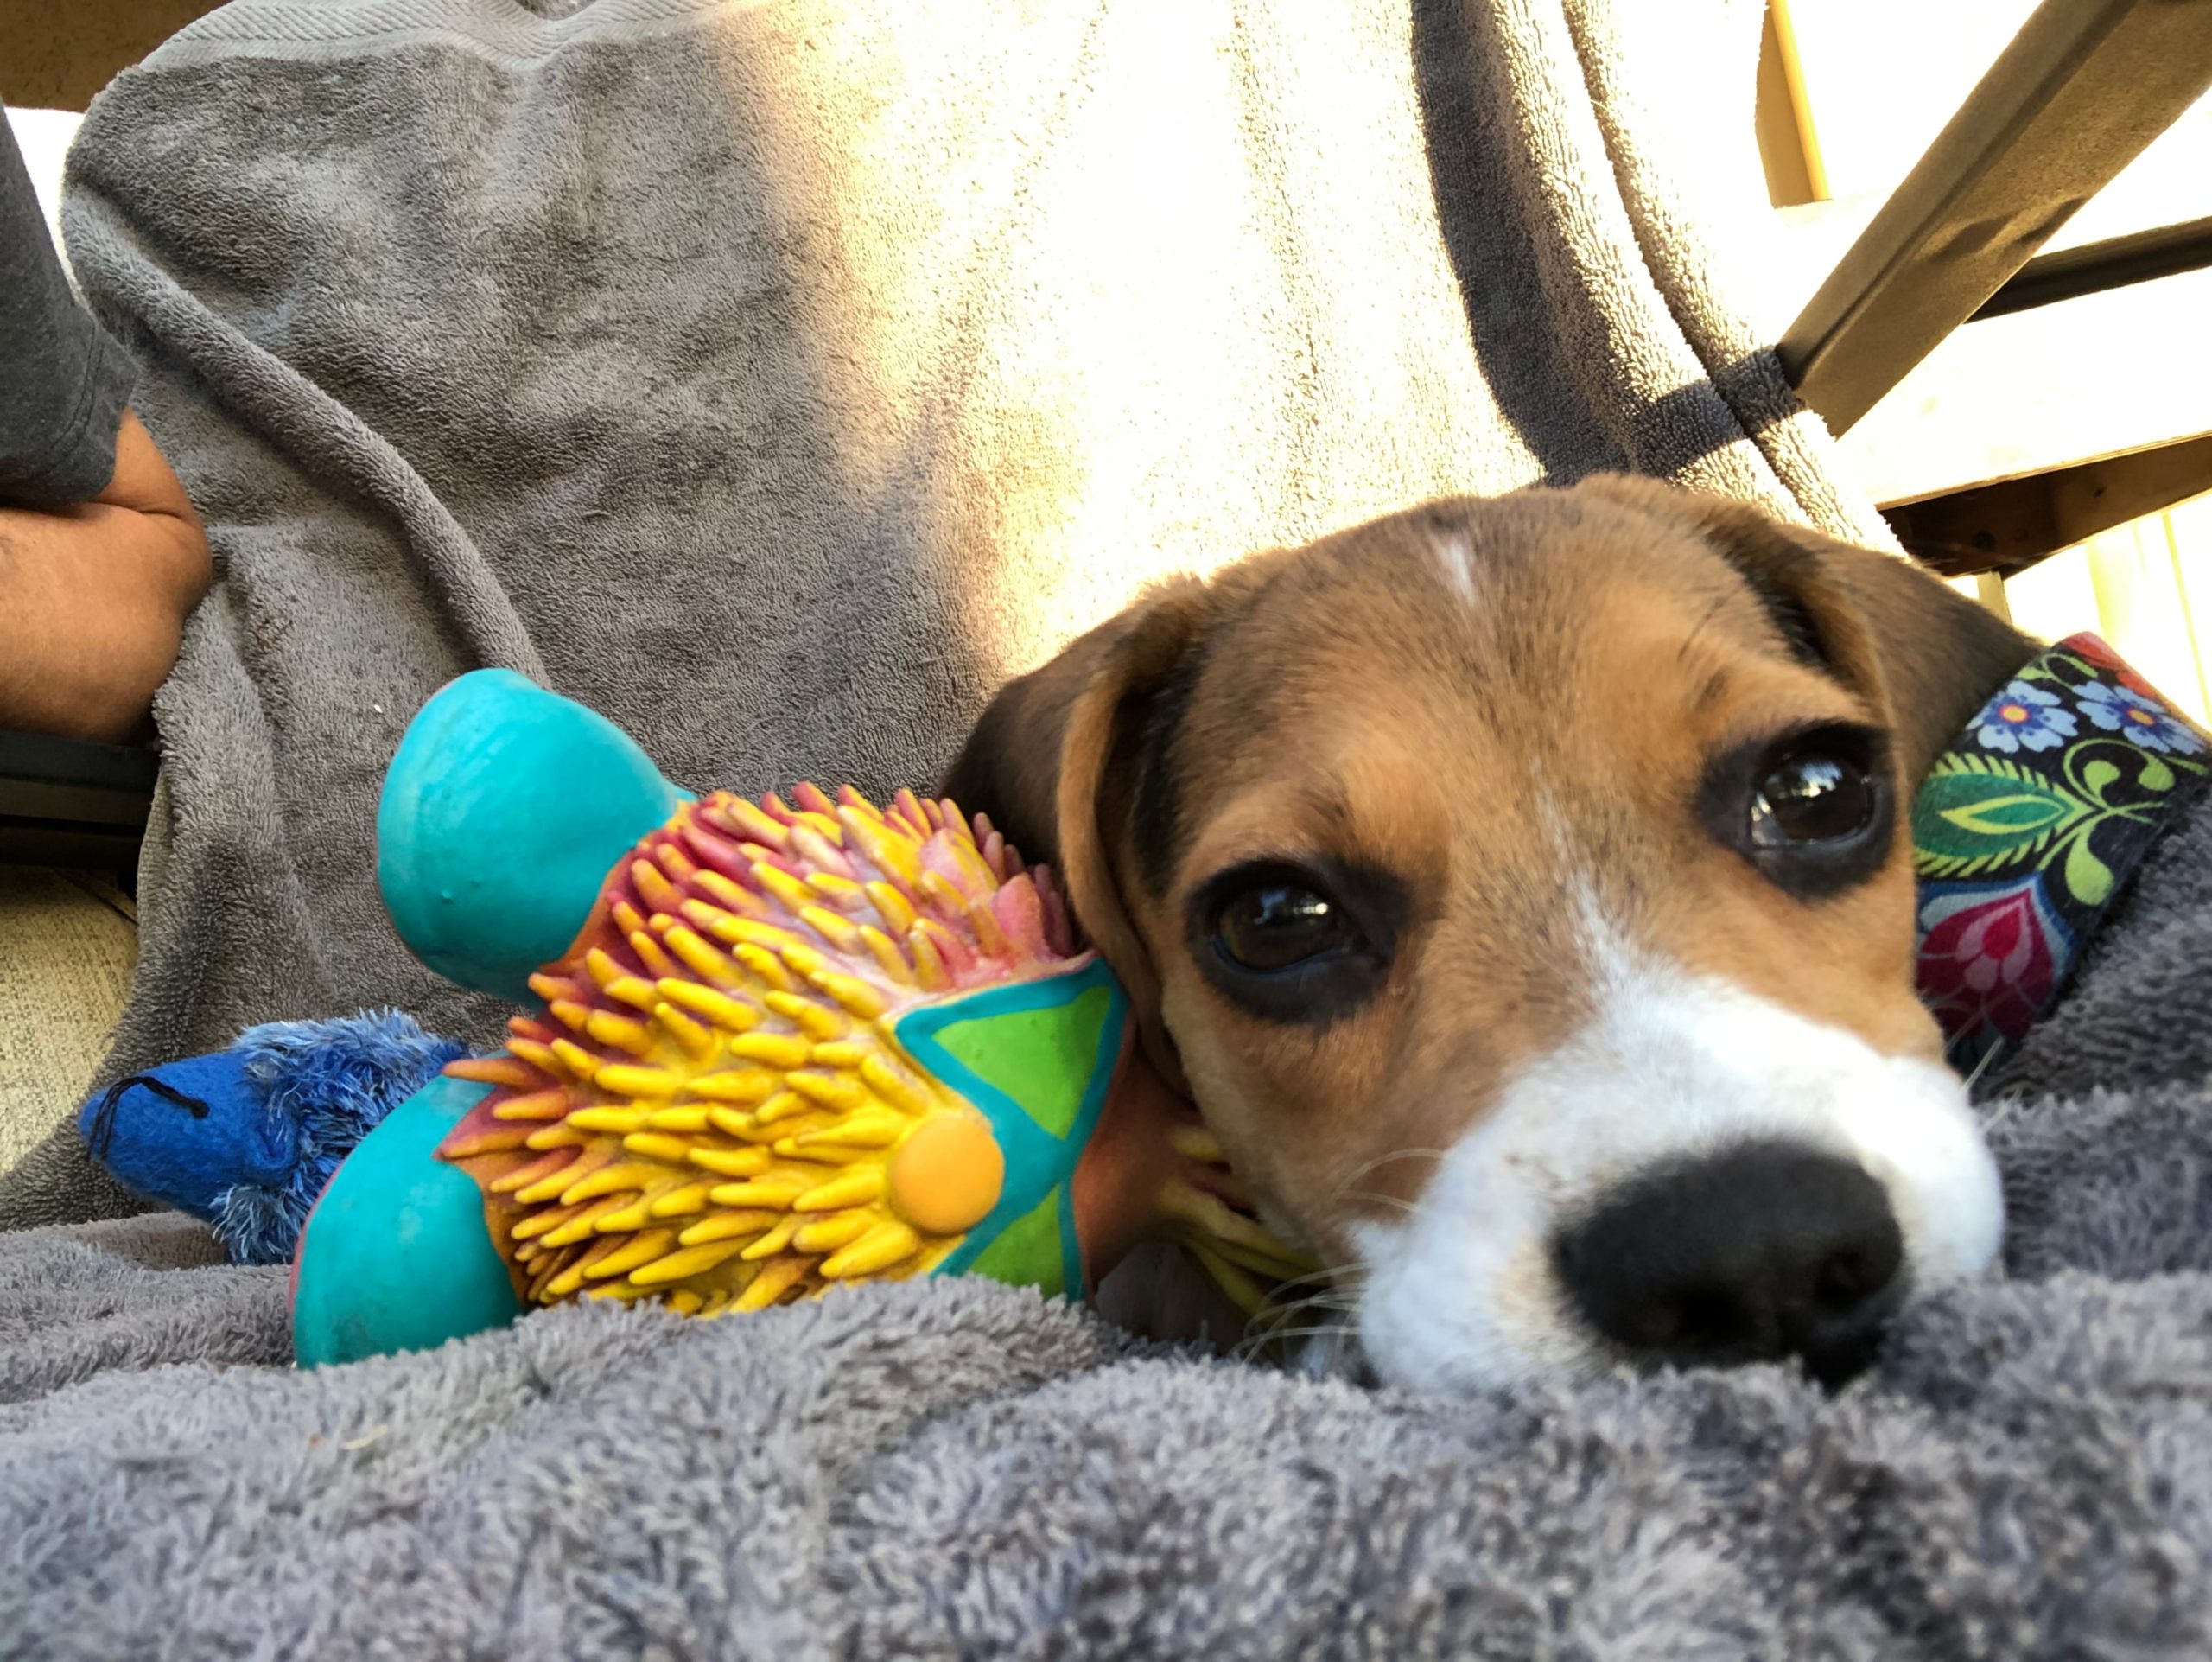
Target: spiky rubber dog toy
x: 782, y: 1046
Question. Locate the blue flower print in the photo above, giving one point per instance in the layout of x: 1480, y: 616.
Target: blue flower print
x: 2139, y: 720
x: 2023, y: 717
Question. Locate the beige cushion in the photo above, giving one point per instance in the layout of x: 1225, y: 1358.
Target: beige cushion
x: 68, y: 944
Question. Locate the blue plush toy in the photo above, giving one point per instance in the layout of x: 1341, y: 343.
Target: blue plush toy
x: 245, y: 1139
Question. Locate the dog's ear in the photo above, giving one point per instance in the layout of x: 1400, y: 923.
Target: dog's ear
x: 1887, y: 627
x: 1057, y: 761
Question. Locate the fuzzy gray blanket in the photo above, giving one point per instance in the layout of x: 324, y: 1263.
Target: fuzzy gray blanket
x: 776, y: 378
x: 958, y: 1470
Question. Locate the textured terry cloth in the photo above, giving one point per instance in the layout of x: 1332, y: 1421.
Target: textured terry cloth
x: 63, y: 380
x: 959, y: 1469
x: 779, y: 378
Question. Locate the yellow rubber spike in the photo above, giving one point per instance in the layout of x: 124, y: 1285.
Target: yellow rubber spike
x: 538, y: 1105
x: 498, y: 1140
x: 828, y: 1234
x: 538, y: 1052
x: 685, y: 1202
x: 684, y: 1301
x: 779, y: 885
x: 583, y: 1225
x: 616, y: 1177
x: 657, y: 962
x: 742, y: 1086
x: 744, y: 931
x: 674, y: 1266
x: 739, y: 1225
x: 752, y: 823
x: 883, y: 1247
x: 842, y: 1053
x: 731, y: 1014
x: 822, y: 1154
x: 643, y: 1249
x: 895, y: 910
x: 697, y: 1040
x: 659, y: 1146
x: 841, y: 892
x: 888, y: 959
x: 612, y: 1122
x: 551, y: 987
x: 896, y: 1086
x: 807, y: 1016
x: 555, y: 1180
x: 836, y: 1091
x: 702, y: 960
x: 602, y: 969
x: 782, y: 1106
x: 537, y: 1171
x: 781, y: 1051
x: 844, y: 936
x: 771, y: 1284
x: 732, y: 895
x: 688, y: 1119
x: 767, y: 965
x: 775, y: 1194
x: 579, y: 1061
x: 620, y: 1032
x: 728, y: 1163
x: 851, y: 992
x: 929, y: 963
x: 562, y: 1136
x: 625, y: 1079
x: 989, y: 938
x: 635, y: 992
x: 570, y: 1015
x: 774, y: 1241
x: 625, y: 917
x: 652, y: 888
x: 494, y: 1070
x: 804, y: 961
x: 850, y: 1188
x: 869, y: 1128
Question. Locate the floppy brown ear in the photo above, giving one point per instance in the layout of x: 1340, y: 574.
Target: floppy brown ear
x: 1887, y: 626
x: 1055, y: 762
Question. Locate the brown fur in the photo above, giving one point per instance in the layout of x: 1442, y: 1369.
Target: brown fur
x: 1504, y: 760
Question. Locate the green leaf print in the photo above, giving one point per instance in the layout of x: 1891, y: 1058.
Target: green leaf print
x: 1979, y: 814
x: 2087, y: 877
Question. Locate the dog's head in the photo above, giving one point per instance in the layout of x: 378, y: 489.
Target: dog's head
x: 1520, y: 888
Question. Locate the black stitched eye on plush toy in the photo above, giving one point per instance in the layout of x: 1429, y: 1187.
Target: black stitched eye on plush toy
x: 1812, y: 795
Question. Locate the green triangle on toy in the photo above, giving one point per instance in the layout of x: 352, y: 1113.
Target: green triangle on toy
x: 1028, y: 1252
x: 1040, y: 1057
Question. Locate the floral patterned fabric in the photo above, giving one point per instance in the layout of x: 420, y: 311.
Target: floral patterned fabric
x: 2026, y: 832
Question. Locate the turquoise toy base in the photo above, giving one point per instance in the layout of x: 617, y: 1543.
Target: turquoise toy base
x: 396, y: 1255
x: 501, y: 813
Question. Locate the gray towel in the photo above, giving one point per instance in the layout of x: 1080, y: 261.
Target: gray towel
x: 779, y: 378
x: 776, y: 378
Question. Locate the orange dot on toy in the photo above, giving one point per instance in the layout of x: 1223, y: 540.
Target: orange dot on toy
x: 946, y: 1176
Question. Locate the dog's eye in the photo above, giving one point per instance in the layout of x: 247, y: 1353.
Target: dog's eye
x: 1294, y: 944
x: 1812, y: 796
x: 1278, y: 926
x: 1813, y: 809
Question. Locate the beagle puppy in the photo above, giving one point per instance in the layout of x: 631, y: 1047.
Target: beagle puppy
x: 1521, y: 889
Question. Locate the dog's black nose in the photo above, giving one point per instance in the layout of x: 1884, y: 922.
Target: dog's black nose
x: 1765, y: 1251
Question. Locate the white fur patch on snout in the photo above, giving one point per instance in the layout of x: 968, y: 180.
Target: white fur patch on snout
x: 1460, y: 1295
